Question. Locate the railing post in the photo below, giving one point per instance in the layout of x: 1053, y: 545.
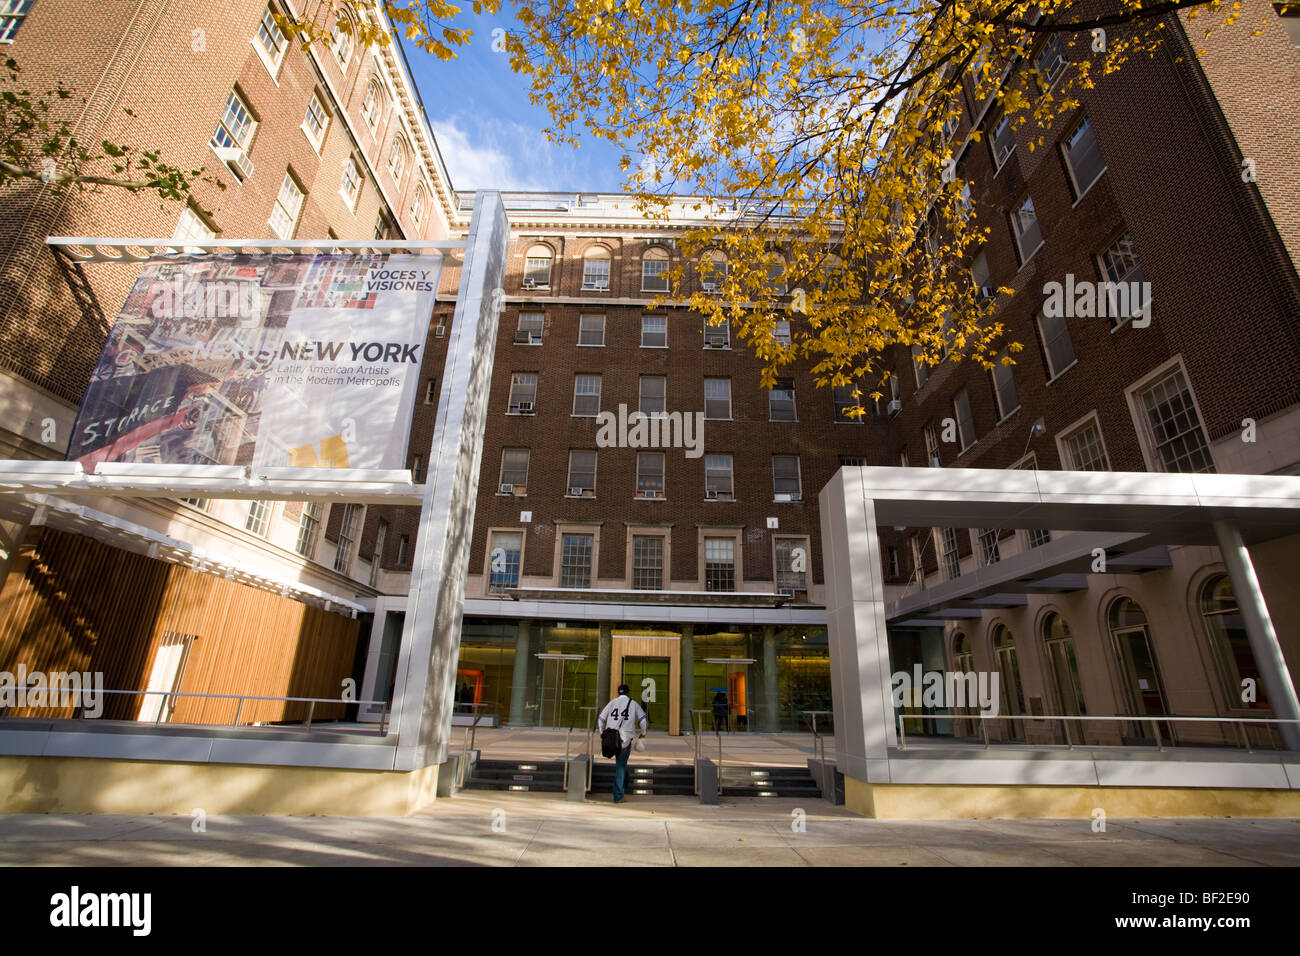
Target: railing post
x: 239, y: 709
x: 311, y: 712
x: 902, y: 734
x: 1159, y: 742
x: 984, y: 729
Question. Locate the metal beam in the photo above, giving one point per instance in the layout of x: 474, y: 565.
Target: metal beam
x: 135, y: 251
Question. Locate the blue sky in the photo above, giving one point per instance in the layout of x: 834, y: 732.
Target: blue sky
x: 489, y: 134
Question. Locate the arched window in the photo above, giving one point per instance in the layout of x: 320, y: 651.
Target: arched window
x: 341, y: 41
x: 1141, y: 676
x: 595, y: 269
x: 537, y: 267
x: 654, y: 270
x: 1009, y: 686
x: 713, y: 271
x: 1226, y: 630
x: 373, y: 105
x: 417, y: 205
x: 1064, y: 666
x: 962, y: 658
x: 397, y: 159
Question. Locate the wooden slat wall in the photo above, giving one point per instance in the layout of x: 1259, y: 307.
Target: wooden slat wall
x: 651, y: 647
x: 72, y: 603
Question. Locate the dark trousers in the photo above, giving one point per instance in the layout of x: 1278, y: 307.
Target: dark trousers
x: 620, y: 771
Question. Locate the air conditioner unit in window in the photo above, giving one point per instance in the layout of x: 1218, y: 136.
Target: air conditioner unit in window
x: 895, y: 406
x: 782, y: 497
x: 529, y: 284
x: 652, y: 494
x: 787, y: 592
x: 988, y: 292
x: 575, y: 492
x: 523, y: 337
x: 595, y: 286
x: 711, y: 493
x: 439, y: 331
x: 237, y: 159
x: 796, y: 496
x: 506, y: 490
x: 717, y: 341
x: 710, y: 288
x: 525, y: 408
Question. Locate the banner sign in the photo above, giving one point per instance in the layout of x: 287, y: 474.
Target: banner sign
x: 301, y: 360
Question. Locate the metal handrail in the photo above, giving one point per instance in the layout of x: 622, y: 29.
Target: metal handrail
x: 819, y: 742
x: 1239, y: 722
x: 165, y: 694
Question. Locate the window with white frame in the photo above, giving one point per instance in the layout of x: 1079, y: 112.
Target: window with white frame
x: 918, y: 566
x: 430, y: 391
x: 845, y: 400
x: 654, y: 332
x: 717, y: 399
x: 717, y: 336
x: 1004, y: 386
x: 1003, y: 140
x: 1028, y: 235
x: 718, y: 477
x: 341, y: 41
x: 961, y: 411
x: 931, y: 446
x: 989, y: 552
x: 350, y: 189
x: 373, y: 105
x: 1082, y: 448
x: 514, y: 470
x: 315, y: 122
x: 719, y: 564
x: 523, y: 392
x: 537, y: 267
x: 235, y: 130
x: 417, y: 469
x: 191, y: 226
x: 951, y: 557
x: 1083, y: 156
x: 650, y: 474
x: 654, y: 271
x: 785, y: 476
x: 530, y: 328
x: 258, y: 517
x: 1172, y: 426
x: 284, y: 217
x: 591, y: 330
x: 308, y: 527
x: 586, y: 396
x: 381, y: 535
x: 595, y: 269
x: 780, y: 401
x: 980, y: 275
x: 781, y: 332
x: 1120, y: 263
x: 271, y: 43
x: 920, y: 367
x: 12, y: 14
x: 504, y: 561
x: 347, y: 537
x: 397, y: 159
x: 1056, y: 343
x: 582, y: 471
x: 775, y: 283
x: 1050, y: 61
x: 575, y: 560
x: 789, y: 553
x: 652, y: 394
x: 647, y: 562
x: 713, y: 271
x: 403, y: 550
x: 417, y: 205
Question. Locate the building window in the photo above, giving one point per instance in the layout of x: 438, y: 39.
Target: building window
x: 341, y: 42
x: 403, y: 550
x: 719, y: 564
x: 430, y: 391
x: 1050, y: 61
x: 1172, y: 425
x: 654, y: 271
x: 651, y: 394
x: 780, y: 401
x: 989, y: 546
x: 1004, y: 387
x: 852, y: 461
x: 1120, y: 263
x: 775, y: 284
x: 582, y: 472
x: 351, y: 188
x: 575, y: 561
x: 235, y: 131
x: 523, y: 393
x: 417, y: 468
x: 654, y: 332
x: 12, y: 13
x: 1056, y: 343
x: 948, y: 551
x: 530, y: 328
x: 308, y: 526
x: 980, y: 275
x: 287, y: 206
x: 717, y: 399
x: 259, y: 516
x: 373, y: 105
x: 713, y: 272
x: 717, y: 336
x: 785, y: 476
x: 504, y: 560
x: 965, y: 419
x: 397, y: 159
x: 316, y: 120
x: 893, y: 564
x: 844, y: 399
x: 650, y: 474
x: 1035, y: 537
x: 1226, y: 629
x: 417, y: 205
x: 918, y: 561
x: 191, y: 226
x: 347, y: 536
x: 514, y: 471
x: 788, y: 580
x: 270, y: 40
x: 1028, y: 235
x: 1083, y: 449
x: 1064, y: 666
x: 932, y: 447
x: 537, y: 267
x: 586, y: 396
x: 595, y: 270
x: 1004, y: 141
x: 1083, y: 156
x: 717, y: 477
x: 919, y: 367
x: 381, y: 535
x: 781, y: 333
x: 647, y: 563
x: 591, y: 330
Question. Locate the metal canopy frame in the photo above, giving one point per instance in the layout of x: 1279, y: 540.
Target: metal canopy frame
x: 134, y: 251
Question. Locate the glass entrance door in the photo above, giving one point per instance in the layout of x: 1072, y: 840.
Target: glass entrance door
x: 648, y: 679
x: 1142, y: 678
x: 566, y: 681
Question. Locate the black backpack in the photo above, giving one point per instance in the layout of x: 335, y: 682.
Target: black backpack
x: 611, y: 741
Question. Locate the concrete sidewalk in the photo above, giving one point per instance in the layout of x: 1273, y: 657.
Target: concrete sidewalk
x: 528, y: 829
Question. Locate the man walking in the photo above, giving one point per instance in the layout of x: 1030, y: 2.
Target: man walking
x: 624, y: 715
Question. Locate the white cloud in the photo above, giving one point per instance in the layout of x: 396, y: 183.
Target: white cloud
x: 491, y: 153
